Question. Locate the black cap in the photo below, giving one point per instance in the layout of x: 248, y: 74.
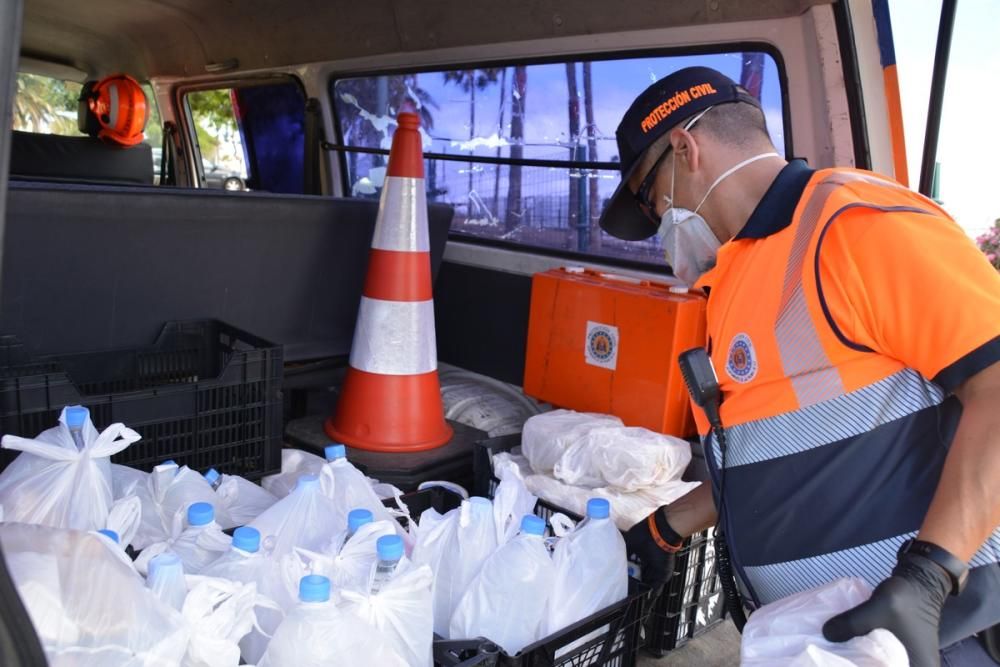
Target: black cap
x: 661, y: 107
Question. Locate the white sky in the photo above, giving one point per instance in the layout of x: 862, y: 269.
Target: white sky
x: 969, y: 143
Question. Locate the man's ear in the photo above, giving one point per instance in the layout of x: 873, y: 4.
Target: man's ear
x: 686, y: 148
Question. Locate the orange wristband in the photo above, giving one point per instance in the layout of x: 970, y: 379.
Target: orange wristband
x: 660, y: 542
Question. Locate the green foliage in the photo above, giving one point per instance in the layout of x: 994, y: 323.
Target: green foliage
x: 44, y: 104
x: 212, y: 111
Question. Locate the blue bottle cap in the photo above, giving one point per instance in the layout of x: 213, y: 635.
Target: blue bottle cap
x: 246, y: 538
x: 212, y: 476
x: 389, y: 547
x: 598, y: 508
x: 357, y: 518
x: 76, y: 416
x: 169, y: 462
x: 307, y: 482
x: 314, y: 588
x: 200, y: 514
x: 110, y: 533
x: 334, y: 452
x: 165, y: 562
x: 532, y: 525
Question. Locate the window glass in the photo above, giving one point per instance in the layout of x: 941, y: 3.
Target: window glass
x: 45, y: 105
x: 223, y: 158
x: 561, y: 112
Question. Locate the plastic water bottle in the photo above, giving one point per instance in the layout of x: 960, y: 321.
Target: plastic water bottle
x: 335, y: 451
x: 357, y: 518
x: 389, y: 549
x: 166, y: 579
x: 111, y: 535
x: 76, y: 417
x: 200, y: 514
x: 314, y: 588
x: 246, y: 539
x: 213, y: 478
x: 306, y: 482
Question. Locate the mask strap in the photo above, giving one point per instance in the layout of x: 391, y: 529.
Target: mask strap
x: 732, y: 170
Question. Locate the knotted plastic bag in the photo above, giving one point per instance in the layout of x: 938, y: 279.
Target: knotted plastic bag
x: 88, y: 607
x: 507, y: 600
x: 546, y: 437
x: 245, y: 567
x: 219, y: 613
x: 124, y: 519
x: 244, y: 501
x: 294, y: 464
x: 197, y: 546
x: 789, y: 632
x: 306, y: 518
x: 351, y: 568
x: 165, y: 495
x: 437, y: 547
x: 53, y: 483
x: 624, y: 458
x: 320, y: 635
x: 511, y: 501
x: 401, y: 612
x: 591, y: 573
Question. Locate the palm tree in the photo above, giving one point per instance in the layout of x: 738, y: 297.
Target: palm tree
x: 594, y: 198
x: 573, y: 107
x: 43, y: 104
x: 518, y: 94
x: 470, y: 80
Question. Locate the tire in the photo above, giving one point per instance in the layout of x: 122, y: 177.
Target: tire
x: 233, y: 184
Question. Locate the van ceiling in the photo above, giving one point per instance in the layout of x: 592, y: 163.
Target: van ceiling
x: 150, y: 38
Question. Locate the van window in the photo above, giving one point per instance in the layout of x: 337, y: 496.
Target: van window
x: 45, y: 105
x: 250, y: 137
x: 562, y: 113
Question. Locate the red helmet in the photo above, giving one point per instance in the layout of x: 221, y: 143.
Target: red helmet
x: 115, y: 110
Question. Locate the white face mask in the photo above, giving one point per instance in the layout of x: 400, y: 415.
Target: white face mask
x: 689, y: 243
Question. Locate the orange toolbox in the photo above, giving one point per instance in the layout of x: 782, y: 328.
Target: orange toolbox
x: 608, y: 343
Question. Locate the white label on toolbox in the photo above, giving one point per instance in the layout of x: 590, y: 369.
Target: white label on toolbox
x: 600, y: 348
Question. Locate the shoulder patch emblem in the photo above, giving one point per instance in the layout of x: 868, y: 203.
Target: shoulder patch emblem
x: 741, y: 364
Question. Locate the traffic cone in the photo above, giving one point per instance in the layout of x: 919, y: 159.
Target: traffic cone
x: 391, y: 398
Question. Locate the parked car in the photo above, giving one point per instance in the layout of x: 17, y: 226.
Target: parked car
x: 217, y: 176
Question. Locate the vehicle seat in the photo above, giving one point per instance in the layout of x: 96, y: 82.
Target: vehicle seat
x: 51, y: 157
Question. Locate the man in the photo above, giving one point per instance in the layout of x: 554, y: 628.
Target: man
x: 855, y: 331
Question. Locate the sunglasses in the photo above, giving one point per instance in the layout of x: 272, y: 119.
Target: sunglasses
x: 642, y: 193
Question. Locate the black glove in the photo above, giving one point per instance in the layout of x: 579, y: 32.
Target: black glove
x: 907, y: 604
x: 656, y: 545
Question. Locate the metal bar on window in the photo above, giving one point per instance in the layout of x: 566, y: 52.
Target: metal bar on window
x: 517, y: 162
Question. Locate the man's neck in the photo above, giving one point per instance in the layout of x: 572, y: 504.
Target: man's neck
x: 736, y: 198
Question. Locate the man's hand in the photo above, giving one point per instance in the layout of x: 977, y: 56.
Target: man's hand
x: 656, y: 545
x: 908, y: 604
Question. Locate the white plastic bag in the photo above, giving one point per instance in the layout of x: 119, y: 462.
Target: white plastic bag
x: 401, y: 613
x: 547, y: 436
x: 77, y: 594
x: 244, y: 500
x: 294, y: 464
x: 52, y: 483
x: 506, y: 602
x: 348, y: 487
x: 591, y: 569
x: 789, y: 632
x: 628, y: 459
x: 166, y: 579
x: 477, y: 540
x: 219, y: 613
x: 244, y: 563
x: 124, y: 518
x: 306, y: 518
x: 198, y: 545
x: 166, y: 494
x: 437, y: 547
x: 351, y: 568
x: 320, y: 635
x: 512, y: 499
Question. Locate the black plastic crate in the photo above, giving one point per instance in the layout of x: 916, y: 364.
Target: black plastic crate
x: 205, y: 394
x: 691, y: 603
